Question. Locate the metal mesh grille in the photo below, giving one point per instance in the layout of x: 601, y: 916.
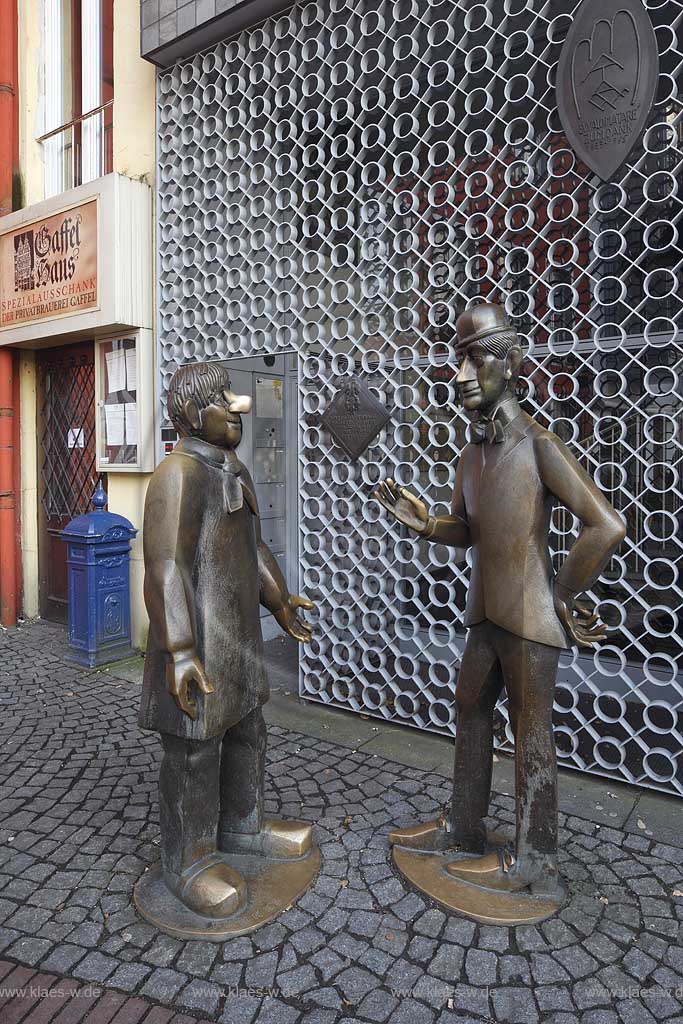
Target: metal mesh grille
x: 344, y: 179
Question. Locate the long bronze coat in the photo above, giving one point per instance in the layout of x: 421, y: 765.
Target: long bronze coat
x: 202, y: 588
x: 503, y: 499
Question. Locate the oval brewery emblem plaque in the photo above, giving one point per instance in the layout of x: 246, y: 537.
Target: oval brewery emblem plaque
x: 607, y: 81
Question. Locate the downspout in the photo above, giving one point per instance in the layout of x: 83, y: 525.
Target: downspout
x: 8, y: 153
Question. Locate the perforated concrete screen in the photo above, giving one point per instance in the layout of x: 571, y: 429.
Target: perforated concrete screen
x: 343, y: 180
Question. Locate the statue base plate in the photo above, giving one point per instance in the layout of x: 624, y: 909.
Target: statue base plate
x: 427, y: 873
x: 272, y: 886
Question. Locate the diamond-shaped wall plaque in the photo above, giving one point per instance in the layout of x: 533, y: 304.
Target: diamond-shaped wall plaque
x: 354, y: 417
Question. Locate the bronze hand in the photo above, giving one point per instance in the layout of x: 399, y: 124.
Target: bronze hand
x: 581, y: 625
x: 184, y: 669
x: 403, y: 505
x: 290, y: 622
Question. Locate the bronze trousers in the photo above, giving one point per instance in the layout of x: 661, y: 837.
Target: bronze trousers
x: 210, y: 786
x: 494, y: 658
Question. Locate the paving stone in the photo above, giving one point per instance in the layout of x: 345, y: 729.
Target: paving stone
x: 632, y: 1011
x: 639, y: 964
x: 129, y: 976
x: 546, y: 970
x: 553, y: 997
x: 364, y: 923
x: 163, y: 984
x: 297, y: 982
x: 275, y: 1011
x: 197, y: 958
x: 402, y: 975
x: 200, y: 995
x: 513, y: 968
x: 589, y: 993
x: 326, y: 996
x: 237, y: 949
x: 459, y: 930
x: 95, y: 967
x: 328, y: 963
x: 308, y: 939
x: 412, y: 1012
x: 497, y: 939
x: 447, y: 962
x: 163, y: 951
x: 355, y: 983
x: 240, y: 1011
x: 576, y: 961
x: 29, y: 950
x: 260, y: 971
x: 377, y: 1006
x: 514, y: 1006
x: 421, y: 949
x: 481, y: 967
x: 430, y: 923
x: 470, y: 999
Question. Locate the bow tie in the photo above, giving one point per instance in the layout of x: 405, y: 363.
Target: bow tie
x: 492, y: 431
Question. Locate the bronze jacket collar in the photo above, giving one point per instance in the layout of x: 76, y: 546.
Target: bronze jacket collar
x: 225, y: 459
x: 218, y: 458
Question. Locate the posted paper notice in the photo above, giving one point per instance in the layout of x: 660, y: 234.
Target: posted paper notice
x: 131, y: 417
x: 114, y: 423
x: 131, y: 370
x: 116, y: 370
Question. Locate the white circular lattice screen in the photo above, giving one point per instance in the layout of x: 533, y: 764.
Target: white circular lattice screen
x: 343, y: 180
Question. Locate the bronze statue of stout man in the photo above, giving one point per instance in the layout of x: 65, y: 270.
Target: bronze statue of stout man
x: 207, y: 570
x: 519, y: 614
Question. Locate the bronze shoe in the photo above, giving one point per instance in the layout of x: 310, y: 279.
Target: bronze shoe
x: 436, y: 835
x: 499, y: 870
x: 211, y: 888
x: 491, y: 871
x: 279, y: 840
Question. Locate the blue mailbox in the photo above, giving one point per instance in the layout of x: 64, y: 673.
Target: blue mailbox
x: 98, y: 563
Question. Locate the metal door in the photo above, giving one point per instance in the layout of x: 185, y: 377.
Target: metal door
x: 66, y: 461
x: 265, y: 451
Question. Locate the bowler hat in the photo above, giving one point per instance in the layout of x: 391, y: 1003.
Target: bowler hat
x: 482, y: 321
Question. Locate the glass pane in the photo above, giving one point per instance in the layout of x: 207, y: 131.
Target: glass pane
x: 118, y: 406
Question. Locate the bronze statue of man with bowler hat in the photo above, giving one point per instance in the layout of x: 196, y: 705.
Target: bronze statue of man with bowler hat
x: 520, y: 616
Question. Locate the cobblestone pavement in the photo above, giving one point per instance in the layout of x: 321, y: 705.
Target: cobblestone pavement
x: 35, y: 998
x: 79, y: 825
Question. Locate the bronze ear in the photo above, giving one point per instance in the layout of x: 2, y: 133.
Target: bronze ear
x: 513, y: 362
x: 191, y: 414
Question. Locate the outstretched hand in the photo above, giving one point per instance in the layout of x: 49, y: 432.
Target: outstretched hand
x: 402, y: 505
x: 181, y: 673
x: 289, y: 620
x: 581, y: 625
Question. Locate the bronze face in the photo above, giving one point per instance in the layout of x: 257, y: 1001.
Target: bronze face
x: 483, y: 379
x: 220, y: 423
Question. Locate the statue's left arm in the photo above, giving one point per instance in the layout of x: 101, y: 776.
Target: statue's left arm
x: 602, y: 528
x: 602, y: 531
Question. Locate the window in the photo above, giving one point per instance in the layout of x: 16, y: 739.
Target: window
x: 78, y: 87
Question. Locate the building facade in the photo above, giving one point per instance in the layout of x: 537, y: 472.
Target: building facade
x: 336, y: 182
x: 76, y: 280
